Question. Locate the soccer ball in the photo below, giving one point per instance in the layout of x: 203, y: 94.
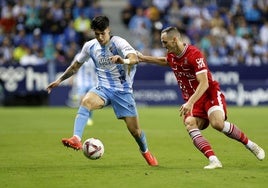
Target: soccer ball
x: 93, y: 148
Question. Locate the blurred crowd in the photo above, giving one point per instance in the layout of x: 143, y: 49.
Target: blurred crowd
x: 34, y: 32
x: 229, y: 32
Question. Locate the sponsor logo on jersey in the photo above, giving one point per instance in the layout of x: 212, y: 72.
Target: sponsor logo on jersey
x: 105, y: 62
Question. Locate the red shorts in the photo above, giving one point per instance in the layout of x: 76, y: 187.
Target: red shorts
x: 207, y: 104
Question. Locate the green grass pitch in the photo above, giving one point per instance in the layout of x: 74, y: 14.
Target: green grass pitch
x: 31, y: 153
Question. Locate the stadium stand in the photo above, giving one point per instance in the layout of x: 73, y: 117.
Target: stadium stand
x: 229, y: 32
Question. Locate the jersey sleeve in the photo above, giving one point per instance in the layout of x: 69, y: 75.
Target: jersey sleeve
x: 125, y: 47
x: 84, y: 55
x: 199, y: 62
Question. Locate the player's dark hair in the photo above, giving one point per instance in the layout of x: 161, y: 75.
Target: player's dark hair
x: 100, y: 23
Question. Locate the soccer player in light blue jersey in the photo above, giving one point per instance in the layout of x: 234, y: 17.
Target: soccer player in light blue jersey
x: 115, y: 61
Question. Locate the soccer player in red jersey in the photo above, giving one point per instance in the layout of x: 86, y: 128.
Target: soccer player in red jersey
x: 204, y: 102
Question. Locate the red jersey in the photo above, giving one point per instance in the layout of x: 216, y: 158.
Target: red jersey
x: 186, y: 66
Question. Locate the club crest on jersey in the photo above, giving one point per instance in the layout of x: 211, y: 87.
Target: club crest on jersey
x: 200, y: 62
x: 113, y: 50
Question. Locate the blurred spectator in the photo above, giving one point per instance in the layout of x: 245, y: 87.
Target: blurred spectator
x: 82, y: 23
x: 43, y: 11
x: 253, y: 15
x: 6, y: 51
x: 223, y: 50
x: 70, y: 33
x: 139, y: 22
x: 80, y: 9
x: 158, y: 50
x: 264, y: 33
x: 19, y: 12
x: 6, y: 9
x: 264, y: 58
x: 231, y: 59
x: 20, y: 51
x: 2, y: 60
x: 36, y: 40
x: 32, y: 58
x: 49, y: 49
x: 49, y: 25
x: 20, y: 36
x: 214, y: 59
x: 259, y: 48
x: 173, y: 14
x: 32, y: 17
x: 162, y: 5
x: 216, y: 20
x: 205, y: 43
x: 231, y: 38
x: 82, y: 27
x: 67, y: 7
x: 60, y: 54
x: 70, y: 52
x: 242, y: 28
x: 127, y: 13
x: 189, y: 11
x: 251, y: 58
x: 154, y: 15
x: 95, y: 9
x: 19, y: 9
x: 140, y: 26
x: 57, y: 11
x: 7, y: 23
x: 239, y: 54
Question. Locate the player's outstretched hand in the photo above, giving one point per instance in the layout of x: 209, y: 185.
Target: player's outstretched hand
x: 116, y: 59
x: 52, y: 85
x: 185, y: 108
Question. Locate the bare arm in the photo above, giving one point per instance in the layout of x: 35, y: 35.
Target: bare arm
x: 200, y: 90
x: 71, y: 70
x: 131, y: 59
x: 139, y: 57
x: 153, y: 60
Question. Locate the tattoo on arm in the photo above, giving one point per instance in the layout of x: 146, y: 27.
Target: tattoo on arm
x: 68, y: 73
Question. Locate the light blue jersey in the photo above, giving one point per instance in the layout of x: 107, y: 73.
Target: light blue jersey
x: 110, y: 75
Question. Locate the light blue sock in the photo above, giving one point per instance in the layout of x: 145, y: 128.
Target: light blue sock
x: 142, y: 142
x: 81, y: 121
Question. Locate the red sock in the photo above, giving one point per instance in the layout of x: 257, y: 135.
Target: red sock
x: 234, y: 132
x: 201, y: 143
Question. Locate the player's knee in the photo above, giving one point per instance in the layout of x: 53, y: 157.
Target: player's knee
x: 217, y: 124
x: 190, y: 123
x: 86, y: 102
x: 91, y: 104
